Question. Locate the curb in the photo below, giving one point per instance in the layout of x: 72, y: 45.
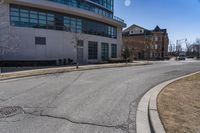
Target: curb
x: 28, y: 73
x: 147, y: 117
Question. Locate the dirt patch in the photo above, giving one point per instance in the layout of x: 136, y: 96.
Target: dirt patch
x: 179, y: 106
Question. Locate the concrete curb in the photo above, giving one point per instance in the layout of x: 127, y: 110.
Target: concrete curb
x: 147, y: 117
x: 37, y: 72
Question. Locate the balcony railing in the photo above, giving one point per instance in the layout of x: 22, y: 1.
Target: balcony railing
x: 89, y: 9
x: 118, y: 19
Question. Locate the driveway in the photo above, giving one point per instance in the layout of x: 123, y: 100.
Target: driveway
x: 92, y: 101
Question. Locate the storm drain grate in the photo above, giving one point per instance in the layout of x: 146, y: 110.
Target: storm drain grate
x: 6, y: 112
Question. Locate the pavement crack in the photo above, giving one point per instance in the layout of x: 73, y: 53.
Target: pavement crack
x: 122, y: 127
x: 132, y: 115
x: 64, y: 88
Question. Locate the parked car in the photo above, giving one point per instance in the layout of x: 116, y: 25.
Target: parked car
x: 181, y: 58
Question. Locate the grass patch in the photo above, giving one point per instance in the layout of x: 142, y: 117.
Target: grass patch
x: 179, y: 106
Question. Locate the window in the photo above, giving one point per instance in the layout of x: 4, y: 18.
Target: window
x: 156, y: 46
x: 155, y: 38
x: 40, y: 40
x: 104, y: 51
x: 24, y: 17
x: 79, y: 25
x: 80, y: 43
x: 73, y: 25
x: 92, y: 50
x: 36, y: 18
x: 90, y: 6
x: 51, y: 21
x: 67, y: 21
x: 59, y: 22
x: 33, y: 18
x: 114, y: 51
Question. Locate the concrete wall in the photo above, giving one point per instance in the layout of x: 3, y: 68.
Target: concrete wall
x: 59, y: 45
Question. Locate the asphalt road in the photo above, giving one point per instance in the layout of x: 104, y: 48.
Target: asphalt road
x: 93, y: 101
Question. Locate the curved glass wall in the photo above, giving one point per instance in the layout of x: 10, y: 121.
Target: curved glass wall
x: 102, y: 7
x: 105, y: 3
x: 37, y: 18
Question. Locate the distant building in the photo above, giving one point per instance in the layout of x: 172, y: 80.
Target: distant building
x: 49, y: 30
x: 146, y: 44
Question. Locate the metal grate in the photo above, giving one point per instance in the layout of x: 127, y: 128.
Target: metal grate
x: 10, y: 111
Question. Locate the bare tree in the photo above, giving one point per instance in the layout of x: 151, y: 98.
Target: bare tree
x: 8, y: 39
x: 126, y: 53
x: 78, y: 42
x: 172, y: 48
x: 198, y: 46
x: 188, y: 48
x: 198, y: 41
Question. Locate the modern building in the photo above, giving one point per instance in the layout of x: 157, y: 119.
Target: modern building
x: 62, y: 30
x: 146, y: 44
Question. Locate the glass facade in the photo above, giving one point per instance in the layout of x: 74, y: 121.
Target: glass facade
x: 92, y: 50
x: 105, y: 3
x: 102, y: 7
x: 114, y: 51
x: 104, y: 51
x: 37, y: 18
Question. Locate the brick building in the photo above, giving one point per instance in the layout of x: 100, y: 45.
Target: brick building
x: 146, y: 44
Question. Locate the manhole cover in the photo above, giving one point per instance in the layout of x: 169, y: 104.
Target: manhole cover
x: 6, y: 112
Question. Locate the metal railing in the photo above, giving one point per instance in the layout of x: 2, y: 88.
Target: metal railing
x: 118, y: 19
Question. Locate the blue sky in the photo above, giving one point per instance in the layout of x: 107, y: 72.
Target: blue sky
x: 180, y: 17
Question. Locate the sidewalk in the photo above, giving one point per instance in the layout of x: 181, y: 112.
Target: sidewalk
x: 35, y: 72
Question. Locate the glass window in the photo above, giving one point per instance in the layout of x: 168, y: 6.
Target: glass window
x: 34, y: 14
x: 86, y: 5
x: 16, y: 19
x: 14, y: 9
x: 30, y: 17
x: 15, y: 13
x: 33, y: 18
x: 73, y: 25
x: 92, y: 50
x: 42, y: 16
x: 50, y: 20
x: 24, y: 13
x: 114, y: 51
x: 67, y: 23
x: 24, y: 20
x: 104, y: 51
x: 79, y: 25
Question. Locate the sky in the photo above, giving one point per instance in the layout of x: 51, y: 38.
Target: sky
x: 180, y: 17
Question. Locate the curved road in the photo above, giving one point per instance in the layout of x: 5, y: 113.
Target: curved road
x: 93, y: 101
